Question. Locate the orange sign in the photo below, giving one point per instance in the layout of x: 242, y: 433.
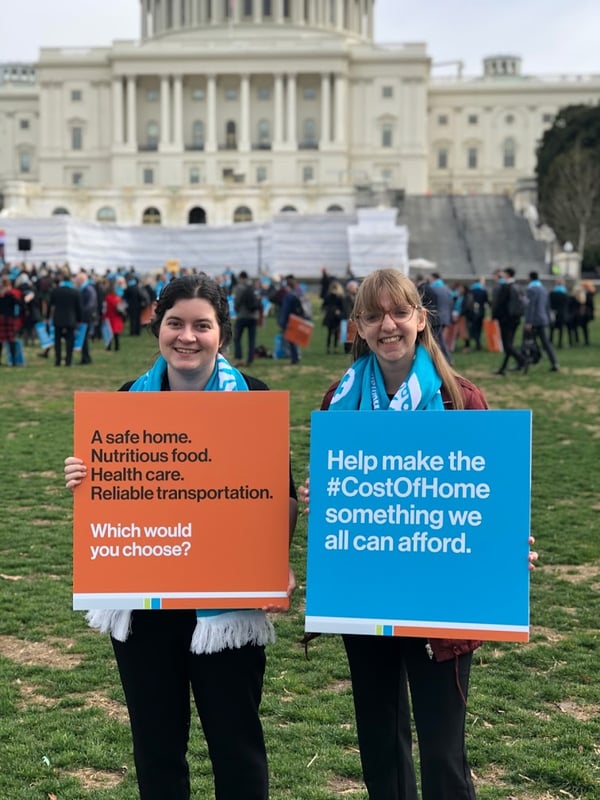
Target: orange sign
x: 185, y: 503
x: 493, y: 339
x: 298, y: 330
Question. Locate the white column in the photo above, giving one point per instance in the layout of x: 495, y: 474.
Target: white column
x: 341, y: 88
x: 257, y: 12
x: 244, y: 142
x: 312, y: 12
x: 278, y: 102
x: 279, y: 18
x: 178, y: 112
x: 325, y: 111
x: 339, y: 15
x: 165, y: 112
x: 144, y: 9
x: 117, y: 103
x: 291, y: 111
x: 131, y: 113
x: 211, y: 106
x: 237, y: 13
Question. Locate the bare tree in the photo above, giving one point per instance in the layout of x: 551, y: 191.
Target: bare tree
x: 573, y: 209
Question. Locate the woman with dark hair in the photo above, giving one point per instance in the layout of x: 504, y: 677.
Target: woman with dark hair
x: 397, y: 366
x: 219, y: 654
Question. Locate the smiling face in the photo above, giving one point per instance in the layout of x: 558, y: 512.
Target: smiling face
x: 393, y: 341
x: 189, y: 338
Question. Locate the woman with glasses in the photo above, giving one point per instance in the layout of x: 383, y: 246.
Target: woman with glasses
x: 399, y: 366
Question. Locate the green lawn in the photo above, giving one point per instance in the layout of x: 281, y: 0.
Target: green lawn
x: 534, y: 709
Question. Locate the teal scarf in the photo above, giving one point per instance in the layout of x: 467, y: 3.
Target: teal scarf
x: 363, y: 387
x: 224, y: 378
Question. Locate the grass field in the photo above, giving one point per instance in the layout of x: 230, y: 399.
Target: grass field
x: 534, y: 709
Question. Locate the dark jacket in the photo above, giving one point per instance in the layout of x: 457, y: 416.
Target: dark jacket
x: 474, y: 399
x: 64, y: 307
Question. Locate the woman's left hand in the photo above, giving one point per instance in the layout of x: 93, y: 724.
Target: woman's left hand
x: 533, y: 556
x: 291, y: 588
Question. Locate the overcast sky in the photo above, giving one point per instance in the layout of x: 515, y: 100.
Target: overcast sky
x: 551, y: 36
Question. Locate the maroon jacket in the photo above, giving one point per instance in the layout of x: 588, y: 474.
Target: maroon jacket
x: 474, y: 400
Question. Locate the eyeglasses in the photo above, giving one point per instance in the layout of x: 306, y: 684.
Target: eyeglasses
x: 398, y: 314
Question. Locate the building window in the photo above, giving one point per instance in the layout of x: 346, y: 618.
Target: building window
x: 24, y: 124
x: 261, y: 174
x: 248, y: 9
x: 442, y: 119
x: 152, y: 135
x: 309, y: 133
x: 76, y: 138
x: 309, y: 93
x: 264, y: 93
x: 508, y: 154
x: 242, y: 214
x: 547, y: 119
x: 194, y: 175
x: 77, y: 179
x: 230, y: 136
x: 472, y: 158
x: 24, y: 162
x: 148, y: 176
x: 472, y: 119
x: 106, y: 214
x: 198, y: 134
x: 151, y: 216
x: 387, y: 92
x: 267, y: 10
x: 387, y: 136
x: 509, y: 119
x: 152, y: 95
x: 289, y: 210
x: 76, y: 95
x: 264, y: 134
x: 61, y: 211
x: 198, y: 94
x: 308, y: 174
x: 231, y: 94
x: 334, y: 209
x: 442, y: 158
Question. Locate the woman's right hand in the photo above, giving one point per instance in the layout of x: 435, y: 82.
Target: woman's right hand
x: 304, y: 494
x: 75, y: 472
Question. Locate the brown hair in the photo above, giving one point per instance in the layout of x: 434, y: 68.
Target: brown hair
x: 403, y: 291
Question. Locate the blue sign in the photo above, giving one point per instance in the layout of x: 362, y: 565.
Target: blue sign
x: 419, y: 523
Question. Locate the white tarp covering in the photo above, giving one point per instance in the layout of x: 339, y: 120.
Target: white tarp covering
x: 377, y: 242
x: 301, y: 244
x: 305, y: 243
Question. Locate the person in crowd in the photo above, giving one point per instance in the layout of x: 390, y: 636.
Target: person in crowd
x: 476, y: 315
x: 581, y: 311
x: 558, y: 298
x: 65, y: 311
x: 136, y: 301
x: 508, y: 308
x: 110, y: 312
x: 9, y: 306
x: 324, y: 282
x: 246, y: 302
x: 443, y: 309
x: 220, y: 655
x: 30, y: 308
x: 89, y: 309
x: 349, y: 297
x: 397, y: 366
x: 290, y: 304
x: 537, y: 317
x: 333, y: 314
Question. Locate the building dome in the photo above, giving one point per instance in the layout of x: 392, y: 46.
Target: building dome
x: 167, y: 17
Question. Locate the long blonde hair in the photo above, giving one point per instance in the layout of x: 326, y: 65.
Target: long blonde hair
x: 403, y: 292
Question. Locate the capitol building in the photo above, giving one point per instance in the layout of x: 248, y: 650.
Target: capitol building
x: 230, y: 112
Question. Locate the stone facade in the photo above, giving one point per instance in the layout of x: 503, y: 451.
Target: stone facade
x: 231, y: 111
